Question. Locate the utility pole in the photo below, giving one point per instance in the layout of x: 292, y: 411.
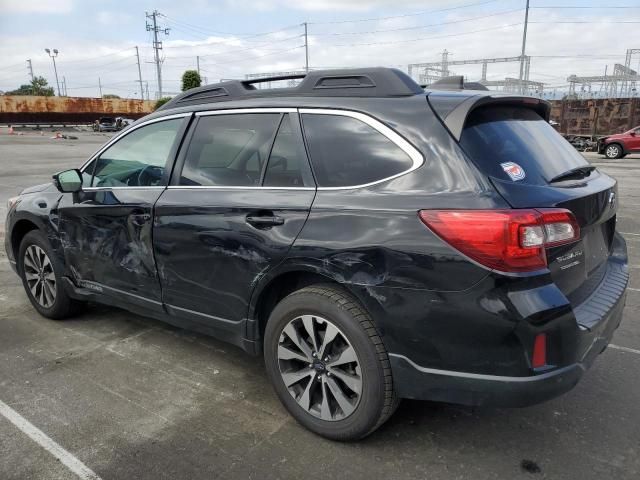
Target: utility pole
x: 157, y: 46
x: 198, y: 63
x: 147, y: 87
x: 100, y: 87
x: 306, y: 48
x: 64, y: 86
x: 53, y: 57
x: 30, y: 68
x: 524, y: 44
x: 139, y: 74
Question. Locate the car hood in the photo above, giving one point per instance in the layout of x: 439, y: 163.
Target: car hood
x: 616, y: 135
x: 38, y: 188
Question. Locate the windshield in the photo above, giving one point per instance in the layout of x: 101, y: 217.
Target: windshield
x: 494, y: 136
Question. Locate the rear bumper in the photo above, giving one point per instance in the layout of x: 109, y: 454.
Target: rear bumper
x: 422, y: 383
x: 597, y: 318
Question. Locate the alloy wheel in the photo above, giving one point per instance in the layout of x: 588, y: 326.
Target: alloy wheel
x: 612, y: 151
x: 38, y: 272
x: 320, y: 367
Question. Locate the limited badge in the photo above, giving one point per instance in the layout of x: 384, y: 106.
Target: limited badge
x: 515, y: 171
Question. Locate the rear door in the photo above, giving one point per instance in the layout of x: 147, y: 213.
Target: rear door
x: 239, y: 196
x: 530, y: 164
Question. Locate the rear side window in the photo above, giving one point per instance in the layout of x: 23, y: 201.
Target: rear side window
x: 346, y: 152
x: 229, y: 150
x: 494, y: 136
x: 288, y: 165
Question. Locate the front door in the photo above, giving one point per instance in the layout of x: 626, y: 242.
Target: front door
x: 106, y: 228
x: 230, y: 214
x: 633, y: 144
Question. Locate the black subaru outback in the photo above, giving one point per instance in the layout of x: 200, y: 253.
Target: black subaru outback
x: 372, y: 239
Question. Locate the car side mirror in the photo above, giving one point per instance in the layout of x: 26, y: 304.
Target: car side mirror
x: 68, y: 181
x: 633, y: 134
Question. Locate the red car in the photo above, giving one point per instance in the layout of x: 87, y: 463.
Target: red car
x: 620, y: 144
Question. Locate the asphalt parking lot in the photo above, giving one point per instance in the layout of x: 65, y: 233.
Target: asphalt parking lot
x: 131, y: 397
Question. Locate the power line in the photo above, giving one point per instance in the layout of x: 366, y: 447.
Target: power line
x: 242, y: 36
x: 100, y: 57
x: 415, y: 14
x: 604, y: 7
x: 424, y: 38
x: 617, y: 22
x: 255, y: 57
x: 419, y: 27
x: 253, y: 47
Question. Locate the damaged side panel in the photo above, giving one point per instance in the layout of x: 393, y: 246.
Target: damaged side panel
x: 209, y: 254
x: 106, y: 240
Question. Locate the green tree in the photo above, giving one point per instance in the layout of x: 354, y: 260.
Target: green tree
x: 190, y: 79
x: 161, y: 102
x: 38, y: 86
x: 110, y: 95
x: 41, y: 87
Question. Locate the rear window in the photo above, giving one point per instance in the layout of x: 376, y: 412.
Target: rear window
x: 500, y: 135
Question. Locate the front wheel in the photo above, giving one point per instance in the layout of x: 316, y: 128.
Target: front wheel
x: 327, y: 363
x: 41, y: 276
x: 613, y: 151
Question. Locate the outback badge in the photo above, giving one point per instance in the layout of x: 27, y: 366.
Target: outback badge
x: 515, y: 171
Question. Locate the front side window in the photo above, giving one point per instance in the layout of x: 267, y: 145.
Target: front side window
x: 346, y: 151
x: 229, y: 150
x: 138, y: 159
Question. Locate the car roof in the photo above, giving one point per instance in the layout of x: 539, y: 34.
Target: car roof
x: 451, y: 98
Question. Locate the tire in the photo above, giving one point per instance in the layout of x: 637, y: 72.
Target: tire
x: 364, y: 396
x: 41, y: 275
x: 613, y: 151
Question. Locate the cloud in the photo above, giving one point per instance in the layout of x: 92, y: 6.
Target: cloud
x: 37, y: 6
x: 331, y: 45
x: 112, y: 18
x: 340, y: 5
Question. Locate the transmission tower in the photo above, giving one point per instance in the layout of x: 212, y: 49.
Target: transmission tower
x: 157, y: 45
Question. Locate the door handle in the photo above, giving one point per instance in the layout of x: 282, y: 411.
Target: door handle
x: 264, y: 220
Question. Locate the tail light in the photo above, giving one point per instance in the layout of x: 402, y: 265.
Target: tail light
x: 505, y: 240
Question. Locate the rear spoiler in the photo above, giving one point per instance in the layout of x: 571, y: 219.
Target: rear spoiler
x: 454, y: 110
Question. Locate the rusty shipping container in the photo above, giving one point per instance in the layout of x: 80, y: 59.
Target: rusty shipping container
x: 33, y: 109
x: 596, y: 117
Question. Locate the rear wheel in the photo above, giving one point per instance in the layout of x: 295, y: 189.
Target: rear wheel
x: 328, y: 364
x: 41, y: 277
x: 613, y: 150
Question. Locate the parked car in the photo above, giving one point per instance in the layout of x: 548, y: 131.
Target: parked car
x: 620, y: 144
x: 105, y: 124
x: 372, y: 240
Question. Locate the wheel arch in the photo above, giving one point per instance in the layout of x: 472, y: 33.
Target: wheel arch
x: 277, y: 285
x: 20, y: 228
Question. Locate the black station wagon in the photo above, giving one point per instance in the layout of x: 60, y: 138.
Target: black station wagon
x: 374, y: 240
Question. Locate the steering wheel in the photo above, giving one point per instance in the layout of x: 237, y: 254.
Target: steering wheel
x: 149, y: 176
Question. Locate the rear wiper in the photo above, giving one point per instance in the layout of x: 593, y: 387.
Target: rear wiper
x: 577, y: 173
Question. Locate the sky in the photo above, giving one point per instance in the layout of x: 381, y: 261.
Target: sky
x: 96, y: 40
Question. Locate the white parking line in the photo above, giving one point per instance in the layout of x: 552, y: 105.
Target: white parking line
x: 38, y: 436
x: 624, y: 349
